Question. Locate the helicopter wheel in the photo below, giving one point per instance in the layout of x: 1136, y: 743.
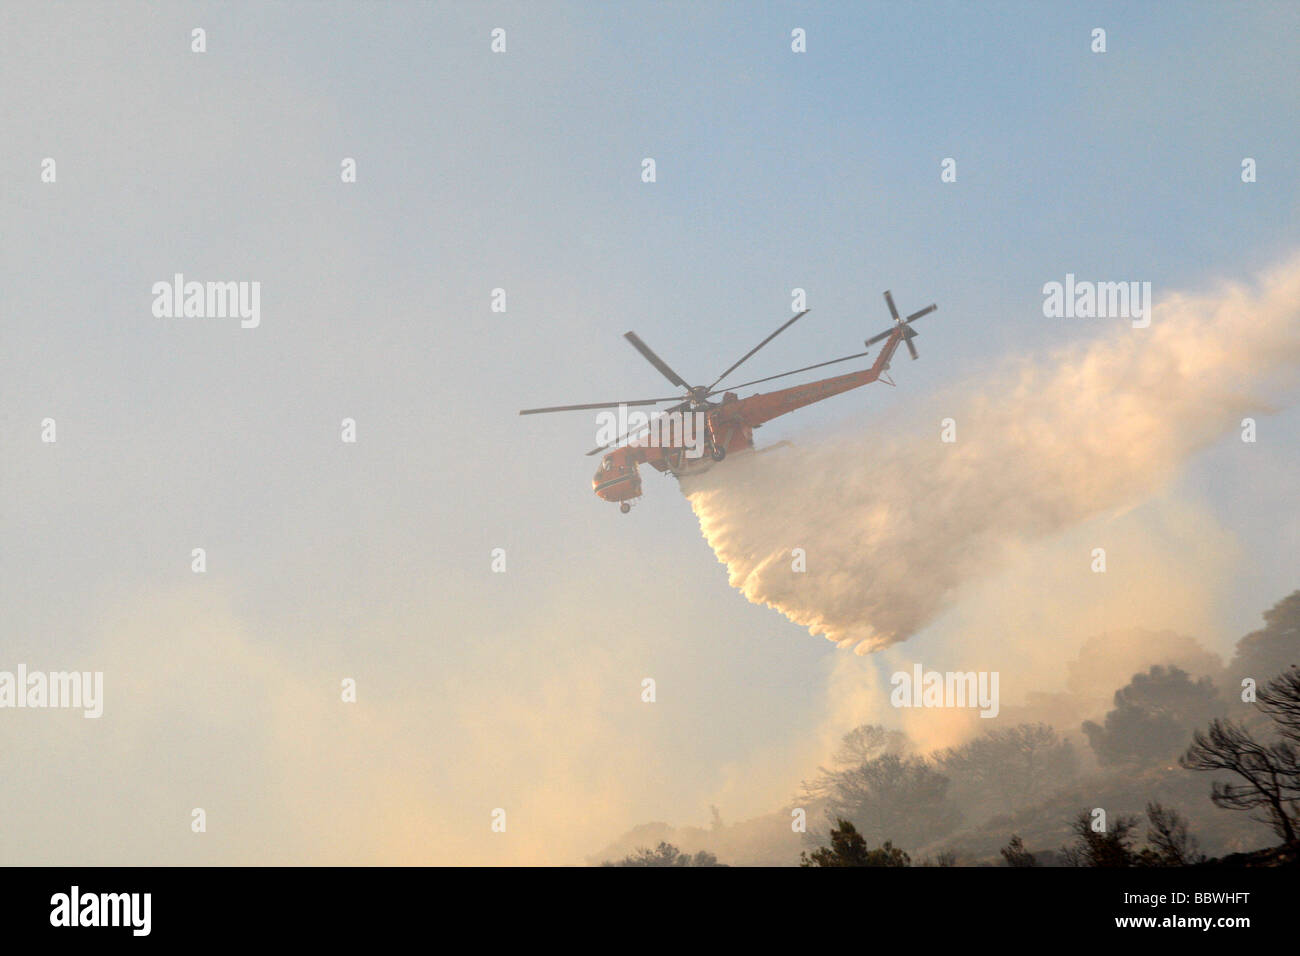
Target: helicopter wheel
x: 717, y: 453
x: 625, y: 507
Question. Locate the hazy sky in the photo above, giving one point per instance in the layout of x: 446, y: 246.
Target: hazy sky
x: 521, y: 170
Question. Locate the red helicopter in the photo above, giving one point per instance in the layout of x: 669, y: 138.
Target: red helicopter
x: 699, y: 425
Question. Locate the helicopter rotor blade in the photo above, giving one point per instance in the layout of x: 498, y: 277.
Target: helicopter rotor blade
x: 750, y: 353
x: 575, y: 408
x: 911, y: 318
x: 806, y: 368
x: 893, y: 310
x: 655, y: 360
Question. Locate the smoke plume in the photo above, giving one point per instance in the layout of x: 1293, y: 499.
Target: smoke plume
x: 893, y: 521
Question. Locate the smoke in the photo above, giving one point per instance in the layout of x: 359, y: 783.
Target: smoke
x: 893, y: 522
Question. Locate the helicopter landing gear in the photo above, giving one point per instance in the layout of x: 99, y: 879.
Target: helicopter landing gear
x: 625, y: 507
x: 717, y: 453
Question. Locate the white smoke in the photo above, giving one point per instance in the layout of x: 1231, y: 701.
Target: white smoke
x: 894, y: 522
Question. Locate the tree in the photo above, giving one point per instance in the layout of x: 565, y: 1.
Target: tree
x: 858, y: 747
x: 866, y: 743
x: 1108, y: 848
x: 1279, y: 700
x: 1014, y: 767
x: 889, y: 855
x: 1153, y: 715
x: 1275, y: 647
x: 1015, y: 853
x: 890, y: 796
x: 1271, y: 774
x: 848, y: 848
x: 665, y: 854
x: 1171, y: 843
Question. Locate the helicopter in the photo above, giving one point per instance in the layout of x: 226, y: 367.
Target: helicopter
x: 698, y: 432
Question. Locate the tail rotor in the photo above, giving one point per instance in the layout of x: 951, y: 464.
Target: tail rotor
x: 905, y: 324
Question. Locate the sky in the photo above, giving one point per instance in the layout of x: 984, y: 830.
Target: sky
x: 521, y: 170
